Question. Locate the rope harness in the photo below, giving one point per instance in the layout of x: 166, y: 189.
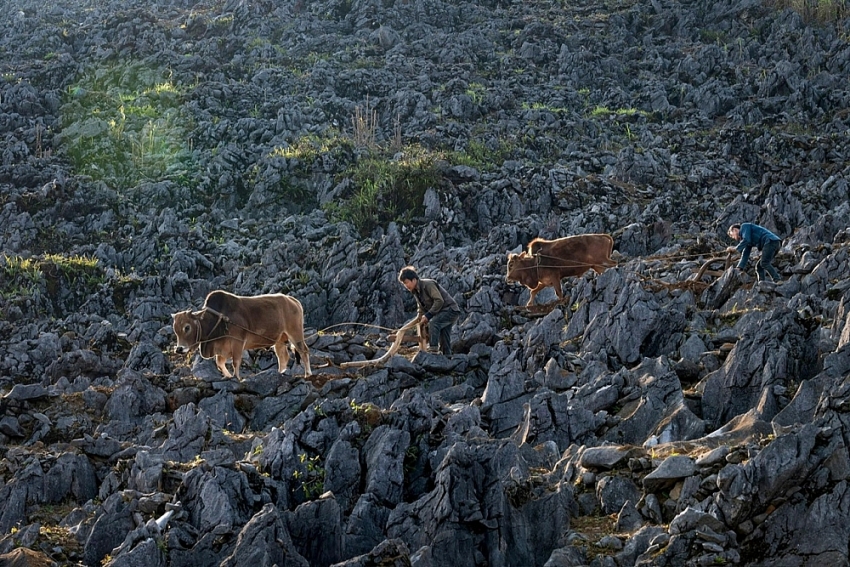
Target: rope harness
x: 222, y: 317
x: 575, y: 264
x: 563, y: 264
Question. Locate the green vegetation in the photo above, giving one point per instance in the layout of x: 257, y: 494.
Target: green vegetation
x: 310, y: 147
x: 479, y: 155
x: 600, y: 111
x: 285, y: 170
x: 223, y: 21
x: 822, y: 11
x: 386, y: 190
x: 713, y: 36
x: 122, y: 124
x: 389, y: 183
x: 476, y: 91
x: 54, y: 274
x: 54, y: 535
x: 75, y: 266
x: 541, y: 106
x: 21, y: 277
x: 368, y: 415
x: 311, y: 475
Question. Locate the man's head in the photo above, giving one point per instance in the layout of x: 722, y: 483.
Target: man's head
x: 734, y: 232
x: 408, y: 277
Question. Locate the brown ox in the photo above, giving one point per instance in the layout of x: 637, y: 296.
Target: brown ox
x: 229, y: 324
x: 548, y: 261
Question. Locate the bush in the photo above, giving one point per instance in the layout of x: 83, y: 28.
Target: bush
x: 122, y: 124
x: 387, y: 190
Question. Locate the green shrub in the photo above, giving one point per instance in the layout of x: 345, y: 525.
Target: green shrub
x: 386, y: 190
x: 481, y: 156
x: 311, y: 476
x: 21, y: 277
x: 122, y: 124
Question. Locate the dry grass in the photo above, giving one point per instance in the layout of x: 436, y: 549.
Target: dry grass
x: 63, y: 545
x: 821, y: 11
x: 365, y: 125
x: 594, y: 528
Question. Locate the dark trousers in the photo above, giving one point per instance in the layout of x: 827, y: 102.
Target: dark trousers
x: 768, y: 253
x: 440, y: 330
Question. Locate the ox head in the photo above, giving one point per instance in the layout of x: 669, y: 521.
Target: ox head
x: 516, y: 265
x: 187, y: 327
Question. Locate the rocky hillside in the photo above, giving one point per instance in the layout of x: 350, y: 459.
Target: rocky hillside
x: 670, y: 411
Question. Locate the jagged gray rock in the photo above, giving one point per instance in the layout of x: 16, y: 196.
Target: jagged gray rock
x: 153, y: 153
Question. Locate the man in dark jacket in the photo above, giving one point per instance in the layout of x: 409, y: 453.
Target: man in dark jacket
x: 751, y: 235
x: 435, y: 306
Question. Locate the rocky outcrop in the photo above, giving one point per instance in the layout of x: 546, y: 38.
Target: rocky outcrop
x: 670, y: 411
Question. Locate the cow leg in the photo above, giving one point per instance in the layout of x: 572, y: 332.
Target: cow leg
x: 540, y: 287
x: 559, y: 290
x: 282, y: 353
x: 221, y: 363
x: 302, y: 349
x: 236, y: 353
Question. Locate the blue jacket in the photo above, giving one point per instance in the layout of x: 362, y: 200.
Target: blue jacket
x: 753, y: 235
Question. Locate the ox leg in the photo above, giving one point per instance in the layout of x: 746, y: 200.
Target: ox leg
x: 540, y: 287
x: 221, y: 363
x: 559, y: 290
x: 237, y: 348
x: 237, y: 362
x: 302, y: 349
x: 282, y: 354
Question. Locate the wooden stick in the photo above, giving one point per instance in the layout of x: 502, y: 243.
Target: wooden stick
x: 709, y: 262
x: 393, y: 349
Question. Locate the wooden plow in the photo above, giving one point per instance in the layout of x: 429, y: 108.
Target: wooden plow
x: 693, y: 283
x: 399, y: 337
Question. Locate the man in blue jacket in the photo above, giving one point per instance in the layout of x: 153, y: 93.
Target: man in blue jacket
x: 751, y: 235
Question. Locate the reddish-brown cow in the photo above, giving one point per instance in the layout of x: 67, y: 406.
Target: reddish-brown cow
x: 548, y: 261
x: 229, y: 324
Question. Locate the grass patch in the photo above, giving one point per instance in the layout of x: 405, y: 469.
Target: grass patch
x: 367, y: 414
x: 21, y: 277
x: 65, y: 280
x: 307, y: 149
x: 601, y: 111
x: 821, y: 11
x: 386, y: 190
x: 77, y: 274
x: 594, y: 528
x: 476, y: 92
x: 122, y: 124
x: 284, y: 174
x: 545, y: 107
x: 479, y: 155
